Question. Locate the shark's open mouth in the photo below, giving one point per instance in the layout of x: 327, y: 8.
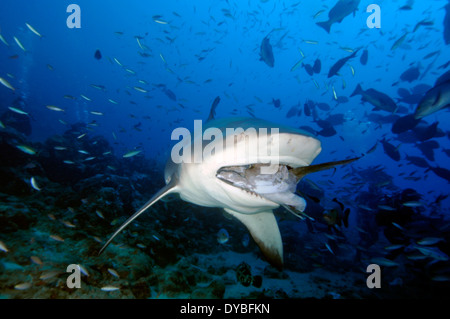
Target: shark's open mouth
x: 278, y: 187
x: 249, y: 177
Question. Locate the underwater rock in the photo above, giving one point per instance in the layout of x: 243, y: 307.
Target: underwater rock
x: 165, y: 253
x: 16, y: 185
x: 215, y: 290
x: 13, y: 218
x: 141, y: 289
x: 273, y: 273
x: 244, y: 276
x: 172, y: 283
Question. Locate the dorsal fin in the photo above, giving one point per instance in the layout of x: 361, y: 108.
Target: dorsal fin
x: 212, y: 112
x: 302, y: 171
x: 264, y: 229
x: 169, y: 188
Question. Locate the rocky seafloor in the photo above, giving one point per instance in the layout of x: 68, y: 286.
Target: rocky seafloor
x: 172, y: 251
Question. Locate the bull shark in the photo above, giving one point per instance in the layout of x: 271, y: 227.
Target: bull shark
x: 235, y: 182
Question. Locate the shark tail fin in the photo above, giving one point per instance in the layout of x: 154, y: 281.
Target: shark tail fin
x: 302, y: 171
x: 169, y: 188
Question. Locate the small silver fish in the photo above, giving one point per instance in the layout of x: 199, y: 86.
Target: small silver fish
x: 23, y: 286
x: 20, y: 44
x: 113, y: 272
x: 7, y: 84
x: 429, y: 241
x: 3, y: 247
x: 26, y: 149
x: 34, y: 184
x: 83, y: 270
x: 131, y: 153
x: 49, y: 274
x: 329, y: 248
x: 55, y: 108
x: 413, y: 204
x: 33, y: 30
x: 16, y: 110
x: 110, y: 288
x: 383, y: 262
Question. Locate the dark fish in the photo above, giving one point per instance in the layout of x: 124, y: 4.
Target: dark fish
x: 276, y: 103
x: 420, y: 89
x: 404, y: 124
x: 441, y: 172
x: 340, y: 10
x: 378, y: 99
x: 447, y: 24
x: 445, y: 65
x: 212, y: 112
x: 364, y: 57
x: 308, y: 69
x: 342, y: 99
x: 323, y: 106
x: 407, y: 97
x: 417, y: 161
x: 436, y: 98
x: 427, y: 148
x: 447, y: 152
x: 411, y: 74
x: 424, y: 23
x: 390, y: 150
x: 399, y: 41
x: 327, y: 131
x: 170, y: 94
x: 323, y: 123
x: 308, y: 129
x: 307, y: 109
x: 337, y: 215
x: 382, y: 119
x: 431, y: 54
x: 317, y: 66
x: 339, y: 64
x: 443, y: 78
x: 266, y: 53
x: 292, y: 111
x: 406, y: 7
x: 426, y: 133
x: 98, y: 55
x: 336, y: 119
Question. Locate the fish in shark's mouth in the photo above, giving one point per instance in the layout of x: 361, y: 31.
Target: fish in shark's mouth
x: 278, y: 187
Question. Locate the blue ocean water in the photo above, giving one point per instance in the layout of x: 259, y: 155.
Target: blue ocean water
x: 159, y: 67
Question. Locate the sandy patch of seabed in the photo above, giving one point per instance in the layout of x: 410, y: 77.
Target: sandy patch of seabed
x: 320, y: 283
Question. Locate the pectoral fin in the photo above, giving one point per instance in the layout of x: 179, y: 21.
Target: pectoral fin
x: 264, y: 229
x: 166, y: 190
